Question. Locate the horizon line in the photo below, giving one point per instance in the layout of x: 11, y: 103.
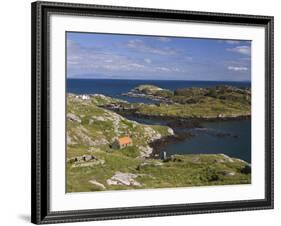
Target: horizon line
x: 160, y: 79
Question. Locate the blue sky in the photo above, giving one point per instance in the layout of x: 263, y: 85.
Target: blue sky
x: 91, y: 55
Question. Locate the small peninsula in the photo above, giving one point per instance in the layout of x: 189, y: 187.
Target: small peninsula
x: 204, y: 103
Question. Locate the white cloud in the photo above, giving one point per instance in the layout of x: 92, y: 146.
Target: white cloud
x: 164, y: 39
x: 87, y: 60
x: 246, y: 50
x: 164, y: 69
x: 123, y: 67
x: 236, y: 68
x: 139, y: 45
x: 232, y: 42
x: 147, y: 60
x: 178, y: 70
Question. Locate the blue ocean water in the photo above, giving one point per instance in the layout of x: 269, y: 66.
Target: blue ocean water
x: 205, y: 141
x: 115, y: 87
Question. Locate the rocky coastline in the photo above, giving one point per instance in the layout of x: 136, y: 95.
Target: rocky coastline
x: 176, y: 123
x: 94, y: 121
x: 147, y: 96
x: 182, y: 122
x: 159, y: 144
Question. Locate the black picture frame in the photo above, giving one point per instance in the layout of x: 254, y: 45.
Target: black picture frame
x: 40, y: 211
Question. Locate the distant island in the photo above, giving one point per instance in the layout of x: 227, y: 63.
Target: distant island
x: 109, y: 149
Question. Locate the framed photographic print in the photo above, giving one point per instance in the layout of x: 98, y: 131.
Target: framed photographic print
x: 141, y: 112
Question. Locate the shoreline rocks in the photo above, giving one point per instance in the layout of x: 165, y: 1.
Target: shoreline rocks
x: 159, y: 144
x: 176, y: 121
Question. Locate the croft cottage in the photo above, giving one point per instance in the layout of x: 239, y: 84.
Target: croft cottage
x: 122, y: 142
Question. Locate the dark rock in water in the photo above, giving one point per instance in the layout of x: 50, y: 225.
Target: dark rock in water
x: 182, y: 123
x: 159, y: 144
x: 221, y: 134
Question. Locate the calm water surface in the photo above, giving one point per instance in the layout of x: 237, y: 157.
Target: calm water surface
x: 206, y: 141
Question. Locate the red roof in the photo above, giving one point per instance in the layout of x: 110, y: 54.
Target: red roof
x: 124, y: 140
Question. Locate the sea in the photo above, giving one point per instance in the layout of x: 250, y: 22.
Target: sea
x: 116, y: 87
x: 205, y: 140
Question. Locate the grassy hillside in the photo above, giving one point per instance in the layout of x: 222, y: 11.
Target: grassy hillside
x: 208, y: 108
x: 91, y: 126
x: 180, y: 171
x: 93, y: 165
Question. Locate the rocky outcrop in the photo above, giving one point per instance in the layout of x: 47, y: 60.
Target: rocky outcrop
x: 127, y: 179
x: 100, y: 127
x: 171, y: 132
x: 145, y: 152
x: 69, y: 141
x: 96, y: 183
x: 85, y: 160
x: 73, y: 117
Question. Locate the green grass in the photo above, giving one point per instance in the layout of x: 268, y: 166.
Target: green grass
x: 183, y: 171
x: 209, y: 108
x: 197, y: 102
x: 98, y: 124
